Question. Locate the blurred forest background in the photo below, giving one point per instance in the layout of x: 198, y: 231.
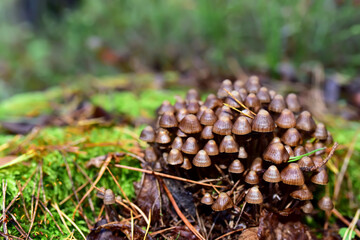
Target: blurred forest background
x: 48, y: 42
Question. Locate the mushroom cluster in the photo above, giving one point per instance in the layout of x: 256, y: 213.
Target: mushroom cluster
x: 261, y: 146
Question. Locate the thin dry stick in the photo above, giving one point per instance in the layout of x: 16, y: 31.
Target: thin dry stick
x: 23, y: 200
x: 234, y: 108
x: 229, y: 233
x: 51, y: 215
x: 101, y: 172
x: 100, y: 213
x: 19, y: 228
x: 240, y: 103
x: 33, y: 215
x: 132, y: 225
x: 178, y: 211
x: 153, y: 234
x: 148, y: 226
x: 135, y: 156
x: 72, y: 223
x: 18, y: 194
x: 344, y: 167
x: 4, y: 186
x: 121, y: 189
x: 61, y: 217
x: 167, y: 176
x: 344, y: 220
x: 72, y: 194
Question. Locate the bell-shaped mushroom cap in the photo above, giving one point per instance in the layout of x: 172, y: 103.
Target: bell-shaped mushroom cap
x: 299, y: 150
x: 241, y: 126
x: 272, y: 94
x: 292, y: 102
x: 291, y: 137
x: 165, y: 107
x: 238, y: 84
x: 222, y: 203
x: 307, y: 207
x: 109, y: 197
x: 190, y: 146
x: 329, y: 140
x: 207, y: 199
x: 100, y: 194
x: 175, y: 157
x: 253, y: 84
x: 326, y: 204
x: 242, y: 153
x: 275, y: 140
x: 277, y: 104
x: 263, y: 95
x: 263, y: 122
x: 186, y: 164
x: 157, y: 167
x: 192, y: 94
x: 320, y: 132
x: 246, y: 113
x: 317, y: 160
x: 201, y: 159
x: 276, y: 153
x: 305, y: 163
x: 208, y: 118
x: 254, y: 196
x: 302, y: 194
x: 252, y: 178
x: 231, y: 99
x: 177, y: 143
x: 223, y: 126
x: 201, y: 112
x: 179, y: 103
x: 309, y: 146
x: 286, y: 119
x: 190, y: 124
x: 318, y: 145
x: 272, y: 174
x: 162, y: 136
x: 224, y: 111
x: 181, y: 114
x: 256, y: 165
x: 226, y: 84
x: 148, y: 134
x: 180, y: 133
x: 252, y: 101
x: 168, y: 120
x: 236, y: 167
x: 321, y: 177
x: 292, y: 175
x: 150, y: 155
x: 243, y: 94
x: 207, y: 132
x: 305, y: 122
x: 289, y: 150
x: 211, y: 148
x: 193, y: 106
x: 212, y: 102
x: 228, y: 145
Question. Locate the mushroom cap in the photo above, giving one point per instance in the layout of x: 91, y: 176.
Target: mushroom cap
x: 162, y: 136
x: 236, y: 167
x: 253, y: 84
x: 305, y: 122
x: 227, y: 85
x: 241, y: 126
x: 177, y: 143
x: 277, y: 104
x: 307, y: 207
x: 222, y: 203
x: 179, y: 103
x: 207, y: 199
x: 186, y: 164
x: 201, y: 111
x: 181, y: 114
x: 276, y: 153
x: 109, y: 197
x: 272, y: 174
x: 292, y: 102
x: 148, y: 134
x: 256, y: 165
x: 180, y: 133
x: 252, y: 178
x: 321, y: 177
x: 192, y: 94
x: 208, y: 118
x: 231, y: 99
x: 252, y: 101
x: 229, y: 145
x: 193, y: 106
x: 320, y: 132
x: 211, y: 148
x: 286, y: 119
x: 254, y: 196
x: 289, y: 150
x: 263, y: 95
x: 263, y: 122
x: 190, y: 124
x: 201, y: 159
x: 157, y: 167
x: 175, y: 157
x: 212, y: 101
x: 325, y: 203
x: 207, y: 132
x: 100, y: 194
x: 242, y: 153
x: 291, y: 137
x: 190, y: 146
x: 299, y: 150
x: 165, y: 107
x: 305, y: 163
x: 223, y: 126
x: 302, y: 194
x: 150, y: 154
x: 292, y: 175
x: 168, y: 120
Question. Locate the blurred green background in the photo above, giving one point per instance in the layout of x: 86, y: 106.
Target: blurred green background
x: 43, y: 43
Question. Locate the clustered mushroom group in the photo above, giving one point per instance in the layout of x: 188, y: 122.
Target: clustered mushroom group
x: 264, y: 148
